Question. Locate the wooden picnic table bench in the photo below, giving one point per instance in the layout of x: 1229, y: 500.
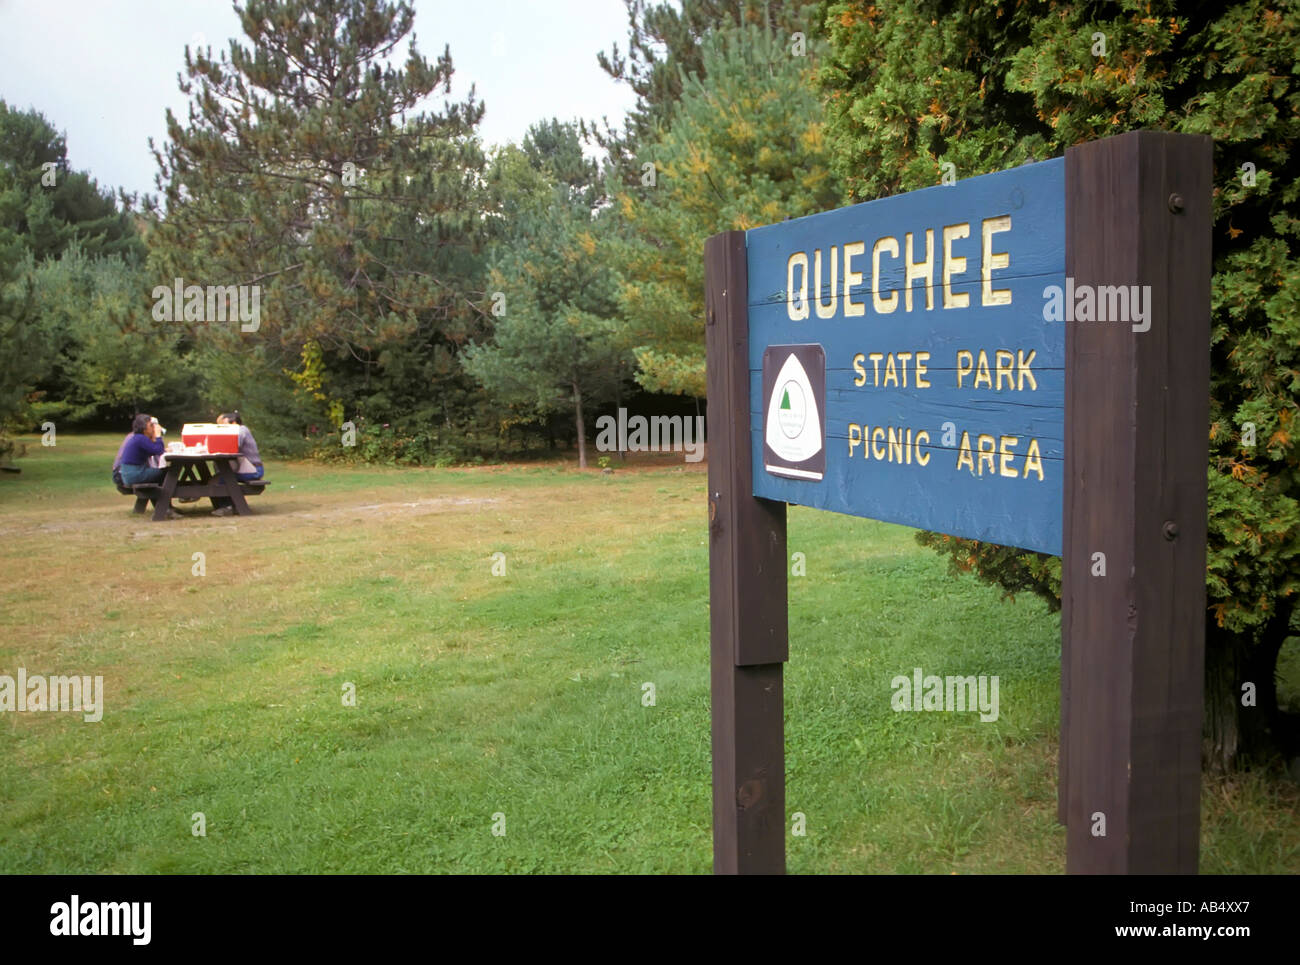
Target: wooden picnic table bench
x: 188, y: 476
x: 143, y: 491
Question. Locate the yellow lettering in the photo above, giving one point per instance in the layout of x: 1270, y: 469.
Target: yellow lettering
x: 964, y: 370
x: 877, y: 433
x: 986, y: 452
x: 1033, y: 461
x: 882, y: 305
x: 1007, y: 444
x: 861, y: 377
x: 1022, y: 370
x: 920, y: 270
x: 855, y: 437
x: 982, y: 371
x: 798, y: 314
x: 954, y: 265
x: 852, y: 278
x: 895, y: 445
x: 992, y: 260
x: 904, y: 358
x: 889, y: 370
x: 921, y: 359
x: 826, y: 311
x: 875, y: 365
x: 1004, y: 360
x: 921, y: 452
x: 964, y: 454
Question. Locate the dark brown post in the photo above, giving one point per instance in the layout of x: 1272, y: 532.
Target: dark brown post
x: 1137, y: 212
x: 748, y: 627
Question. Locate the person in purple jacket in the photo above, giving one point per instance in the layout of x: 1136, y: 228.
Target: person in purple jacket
x: 144, y: 443
x: 117, y: 461
x: 154, y: 461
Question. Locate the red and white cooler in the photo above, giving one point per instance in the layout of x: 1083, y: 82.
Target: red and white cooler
x: 217, y: 438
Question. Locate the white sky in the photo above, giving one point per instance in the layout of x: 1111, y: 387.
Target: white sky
x: 103, y: 73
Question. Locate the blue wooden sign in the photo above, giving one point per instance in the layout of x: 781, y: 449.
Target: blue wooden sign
x: 903, y: 366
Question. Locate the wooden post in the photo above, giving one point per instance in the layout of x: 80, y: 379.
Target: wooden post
x: 1137, y: 412
x: 748, y: 628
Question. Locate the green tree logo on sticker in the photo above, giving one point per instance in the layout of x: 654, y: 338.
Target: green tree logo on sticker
x: 793, y: 430
x: 792, y: 417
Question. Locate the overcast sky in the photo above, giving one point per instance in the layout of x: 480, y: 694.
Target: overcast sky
x: 104, y: 71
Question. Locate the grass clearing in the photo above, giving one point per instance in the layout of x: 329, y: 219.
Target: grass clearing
x: 520, y: 694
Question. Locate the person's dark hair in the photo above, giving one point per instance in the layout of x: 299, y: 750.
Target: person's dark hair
x: 140, y: 422
x: 233, y: 416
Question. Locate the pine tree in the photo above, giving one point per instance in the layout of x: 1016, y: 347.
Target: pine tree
x: 46, y: 205
x: 305, y: 169
x: 744, y: 148
x: 665, y: 46
x: 49, y: 214
x: 988, y: 85
x: 556, y: 343
x: 110, y: 357
x: 27, y: 351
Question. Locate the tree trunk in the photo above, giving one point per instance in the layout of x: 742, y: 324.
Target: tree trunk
x: 1236, y: 732
x: 582, y: 429
x: 1221, y: 739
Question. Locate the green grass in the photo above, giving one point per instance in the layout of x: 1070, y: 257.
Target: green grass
x: 519, y: 694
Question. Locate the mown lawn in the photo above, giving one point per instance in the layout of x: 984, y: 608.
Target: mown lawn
x: 516, y: 694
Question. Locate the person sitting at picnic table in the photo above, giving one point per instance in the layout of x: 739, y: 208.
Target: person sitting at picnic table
x: 135, y: 460
x: 155, y: 462
x: 249, y: 465
x: 117, y: 461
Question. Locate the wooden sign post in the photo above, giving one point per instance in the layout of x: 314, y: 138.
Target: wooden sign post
x: 1137, y: 436
x: 1020, y: 358
x: 747, y: 594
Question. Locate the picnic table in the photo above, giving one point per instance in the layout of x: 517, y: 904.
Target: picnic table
x: 189, y: 477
